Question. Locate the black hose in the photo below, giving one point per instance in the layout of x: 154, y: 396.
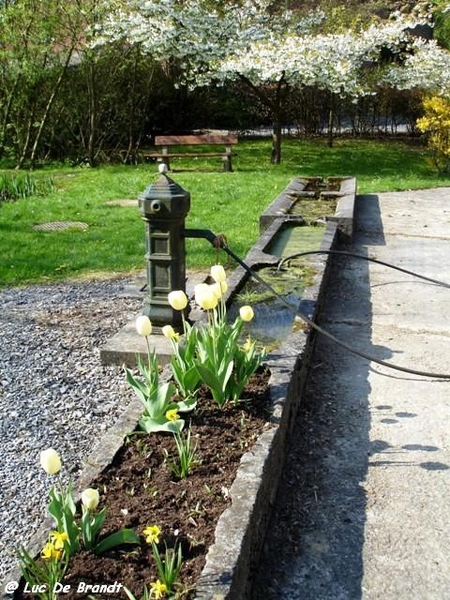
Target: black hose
x: 354, y: 255
x: 330, y: 336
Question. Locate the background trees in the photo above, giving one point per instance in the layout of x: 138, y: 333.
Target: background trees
x: 92, y: 80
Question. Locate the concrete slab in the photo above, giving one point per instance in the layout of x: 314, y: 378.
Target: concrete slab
x: 363, y: 508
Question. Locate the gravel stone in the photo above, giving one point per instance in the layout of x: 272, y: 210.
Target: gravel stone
x: 54, y: 392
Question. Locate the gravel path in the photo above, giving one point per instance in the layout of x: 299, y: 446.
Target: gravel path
x: 53, y: 390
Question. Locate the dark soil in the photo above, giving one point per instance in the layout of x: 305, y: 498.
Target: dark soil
x: 139, y: 490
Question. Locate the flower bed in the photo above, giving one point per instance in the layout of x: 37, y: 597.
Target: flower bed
x: 175, y: 470
x: 138, y: 491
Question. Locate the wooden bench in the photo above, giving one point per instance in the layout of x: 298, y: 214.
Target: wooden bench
x: 168, y: 142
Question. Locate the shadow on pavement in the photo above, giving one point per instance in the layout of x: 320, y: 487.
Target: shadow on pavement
x: 314, y: 546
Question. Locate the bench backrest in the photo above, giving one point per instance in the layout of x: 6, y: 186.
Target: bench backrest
x: 194, y: 140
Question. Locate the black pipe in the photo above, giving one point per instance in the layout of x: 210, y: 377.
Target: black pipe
x: 218, y: 241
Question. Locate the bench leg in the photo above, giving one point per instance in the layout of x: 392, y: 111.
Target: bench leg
x: 166, y: 161
x: 227, y: 167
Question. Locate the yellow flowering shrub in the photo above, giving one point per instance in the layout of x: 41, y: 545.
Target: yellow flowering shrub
x: 436, y: 124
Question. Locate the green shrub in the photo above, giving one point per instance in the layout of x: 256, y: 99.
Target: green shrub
x: 16, y: 187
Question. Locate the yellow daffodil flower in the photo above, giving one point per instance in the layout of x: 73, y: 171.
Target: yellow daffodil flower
x: 169, y: 332
x: 58, y: 538
x: 152, y: 533
x: 157, y: 589
x: 247, y: 345
x: 172, y: 415
x: 50, y: 552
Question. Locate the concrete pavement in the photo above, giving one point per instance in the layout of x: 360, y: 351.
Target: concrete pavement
x: 363, y: 510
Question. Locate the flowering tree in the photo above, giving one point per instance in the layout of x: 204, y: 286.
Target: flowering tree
x: 427, y: 68
x: 270, y: 54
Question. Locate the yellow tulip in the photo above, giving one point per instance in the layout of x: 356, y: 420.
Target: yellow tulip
x: 90, y: 498
x: 143, y: 326
x: 246, y: 313
x: 218, y: 273
x: 178, y: 300
x: 50, y: 461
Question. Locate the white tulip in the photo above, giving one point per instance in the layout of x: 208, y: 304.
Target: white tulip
x: 218, y: 273
x: 246, y: 313
x: 143, y: 326
x: 50, y: 461
x: 205, y: 297
x: 178, y: 300
x: 90, y: 498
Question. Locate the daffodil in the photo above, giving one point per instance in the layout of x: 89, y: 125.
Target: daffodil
x: 50, y: 552
x: 57, y: 538
x: 50, y: 461
x: 90, y: 498
x: 246, y: 347
x: 152, y: 533
x: 157, y: 589
x: 172, y: 415
x: 143, y: 326
x: 178, y: 300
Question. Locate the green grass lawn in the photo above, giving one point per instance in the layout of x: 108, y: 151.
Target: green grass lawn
x: 228, y: 203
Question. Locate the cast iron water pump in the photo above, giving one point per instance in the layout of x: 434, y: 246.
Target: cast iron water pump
x: 164, y: 206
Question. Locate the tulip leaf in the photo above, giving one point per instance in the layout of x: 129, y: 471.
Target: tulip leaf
x: 187, y: 404
x: 150, y: 425
x: 124, y: 536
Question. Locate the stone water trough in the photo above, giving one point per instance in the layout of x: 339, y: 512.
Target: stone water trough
x: 242, y: 527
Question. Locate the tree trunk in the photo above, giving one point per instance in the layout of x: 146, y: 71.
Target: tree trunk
x: 277, y: 109
x: 330, y: 121
x: 48, y: 108
x: 92, y: 114
x: 276, y: 105
x: 26, y: 144
x: 275, y: 155
x: 6, y: 114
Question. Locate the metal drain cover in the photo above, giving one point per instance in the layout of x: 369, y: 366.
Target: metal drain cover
x: 125, y: 202
x: 60, y: 226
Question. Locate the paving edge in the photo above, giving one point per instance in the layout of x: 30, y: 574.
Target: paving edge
x: 241, y: 529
